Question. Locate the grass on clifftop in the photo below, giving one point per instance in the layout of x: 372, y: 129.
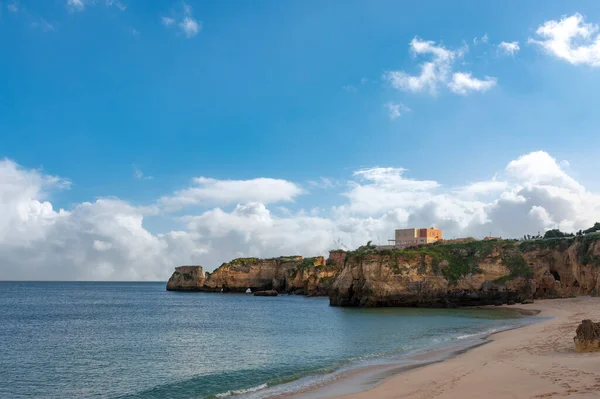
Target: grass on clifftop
x: 242, y: 261
x: 584, y: 246
x: 452, y: 260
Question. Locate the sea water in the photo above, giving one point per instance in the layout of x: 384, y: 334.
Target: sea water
x: 136, y: 340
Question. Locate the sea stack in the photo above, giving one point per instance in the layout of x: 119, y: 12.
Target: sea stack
x: 186, y: 278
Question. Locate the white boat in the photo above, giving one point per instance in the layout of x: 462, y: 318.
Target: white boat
x: 248, y: 291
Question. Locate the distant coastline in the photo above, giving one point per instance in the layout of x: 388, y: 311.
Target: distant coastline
x: 440, y: 274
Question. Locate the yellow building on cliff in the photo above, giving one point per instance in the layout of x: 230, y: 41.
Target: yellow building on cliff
x: 412, y: 237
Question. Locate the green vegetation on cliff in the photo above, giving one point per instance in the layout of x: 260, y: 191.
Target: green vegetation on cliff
x: 584, y: 245
x: 241, y: 261
x: 453, y: 260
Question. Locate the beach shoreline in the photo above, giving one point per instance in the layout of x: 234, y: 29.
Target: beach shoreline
x: 534, y: 361
x: 365, y: 377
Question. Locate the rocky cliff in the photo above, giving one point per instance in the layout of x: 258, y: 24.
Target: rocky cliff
x: 186, y: 278
x: 289, y: 274
x: 465, y: 274
x: 564, y: 267
x: 441, y: 275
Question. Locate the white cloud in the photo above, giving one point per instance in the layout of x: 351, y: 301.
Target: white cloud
x: 349, y: 88
x: 432, y: 73
x: 75, y: 5
x: 323, y: 183
x: 207, y: 191
x: 571, y: 39
x: 12, y: 7
x: 43, y: 25
x: 484, y: 39
x: 190, y: 27
x: 508, y: 48
x: 395, y: 110
x: 463, y: 83
x: 118, y: 4
x: 436, y: 73
x: 484, y: 187
x: 186, y: 22
x: 107, y: 239
x: 137, y: 172
x: 166, y: 21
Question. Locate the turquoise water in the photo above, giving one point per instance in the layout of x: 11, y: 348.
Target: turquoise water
x: 136, y: 340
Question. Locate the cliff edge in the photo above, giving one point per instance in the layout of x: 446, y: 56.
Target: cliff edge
x: 469, y: 274
x: 186, y: 278
x: 285, y: 274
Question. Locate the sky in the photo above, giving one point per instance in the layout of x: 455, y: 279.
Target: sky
x: 137, y: 136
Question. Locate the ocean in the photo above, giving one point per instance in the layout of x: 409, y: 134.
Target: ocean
x: 136, y: 340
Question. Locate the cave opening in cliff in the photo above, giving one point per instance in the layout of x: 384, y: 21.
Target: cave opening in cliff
x: 555, y: 274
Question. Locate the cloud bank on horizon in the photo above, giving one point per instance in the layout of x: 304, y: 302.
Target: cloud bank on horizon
x: 106, y: 239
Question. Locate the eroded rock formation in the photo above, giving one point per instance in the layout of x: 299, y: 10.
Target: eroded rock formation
x: 465, y: 274
x: 440, y: 275
x: 587, y: 338
x: 286, y: 274
x: 186, y: 278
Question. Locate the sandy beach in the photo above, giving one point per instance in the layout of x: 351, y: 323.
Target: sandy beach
x: 537, y: 361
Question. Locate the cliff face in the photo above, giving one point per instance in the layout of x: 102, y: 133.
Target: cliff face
x: 476, y: 273
x: 314, y: 277
x: 564, y: 267
x: 186, y: 278
x: 459, y: 274
x: 290, y: 274
x: 256, y: 274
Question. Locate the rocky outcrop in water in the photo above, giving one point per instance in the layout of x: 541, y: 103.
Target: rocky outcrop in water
x: 587, y: 338
x: 467, y: 274
x: 286, y: 274
x: 266, y: 293
x: 186, y: 278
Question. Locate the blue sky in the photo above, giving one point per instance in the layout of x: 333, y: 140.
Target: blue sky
x: 93, y: 91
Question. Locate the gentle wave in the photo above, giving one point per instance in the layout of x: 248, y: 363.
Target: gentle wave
x: 241, y: 391
x: 315, y: 379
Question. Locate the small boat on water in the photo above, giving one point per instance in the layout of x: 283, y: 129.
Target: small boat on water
x: 248, y: 291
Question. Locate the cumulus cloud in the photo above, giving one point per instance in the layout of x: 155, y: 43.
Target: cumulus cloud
x: 463, y: 83
x: 570, y: 39
x: 185, y: 21
x: 508, y: 48
x: 432, y: 72
x: 436, y: 72
x: 209, y: 191
x: 107, y: 239
x: 396, y: 110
